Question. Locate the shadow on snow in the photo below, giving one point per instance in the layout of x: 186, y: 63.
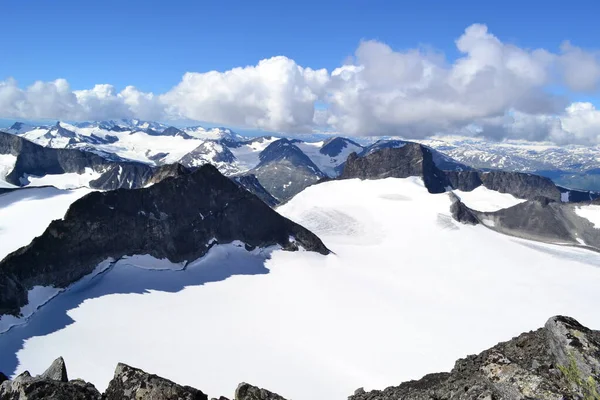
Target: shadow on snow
x: 220, y: 263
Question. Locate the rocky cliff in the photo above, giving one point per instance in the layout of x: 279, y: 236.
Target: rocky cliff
x: 412, y: 159
x: 177, y: 218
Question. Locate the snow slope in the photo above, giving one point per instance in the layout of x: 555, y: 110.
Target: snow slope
x: 326, y: 163
x: 70, y: 180
x: 407, y: 292
x: 7, y: 163
x: 484, y: 199
x: 591, y: 213
x: 248, y: 153
x: 25, y: 214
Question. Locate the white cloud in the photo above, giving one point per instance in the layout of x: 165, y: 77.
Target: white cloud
x: 499, y: 87
x: 277, y: 94
x: 580, y: 69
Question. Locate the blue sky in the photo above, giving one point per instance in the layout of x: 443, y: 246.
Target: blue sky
x: 403, y: 72
x: 150, y: 44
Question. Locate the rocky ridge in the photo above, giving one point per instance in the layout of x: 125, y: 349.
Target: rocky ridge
x: 178, y: 219
x: 557, y: 362
x: 413, y: 159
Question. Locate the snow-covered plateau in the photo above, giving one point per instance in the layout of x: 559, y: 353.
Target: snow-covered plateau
x: 406, y: 292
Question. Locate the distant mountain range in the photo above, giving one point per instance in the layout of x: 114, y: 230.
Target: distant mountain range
x: 284, y: 166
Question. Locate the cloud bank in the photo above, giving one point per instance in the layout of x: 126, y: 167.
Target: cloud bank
x: 493, y: 89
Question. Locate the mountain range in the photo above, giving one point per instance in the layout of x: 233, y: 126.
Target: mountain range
x: 282, y: 166
x: 329, y: 264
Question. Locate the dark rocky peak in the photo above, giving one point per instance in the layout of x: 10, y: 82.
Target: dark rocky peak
x: 172, y: 131
x: 285, y: 149
x: 177, y: 219
x: 520, y: 185
x: 334, y: 146
x: 284, y: 170
x: 59, y: 131
x: 559, y: 361
x: 412, y: 159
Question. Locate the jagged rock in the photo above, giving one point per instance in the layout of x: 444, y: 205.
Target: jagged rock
x: 246, y: 391
x: 412, y: 159
x: 175, y: 219
x: 461, y: 212
x: 559, y: 361
x: 57, y: 371
x: 3, y: 377
x: 51, y: 385
x: 135, y: 384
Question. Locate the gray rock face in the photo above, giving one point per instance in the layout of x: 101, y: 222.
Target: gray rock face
x: 52, y: 385
x: 133, y: 383
x: 559, y: 361
x: 541, y: 219
x: 246, y: 391
x: 284, y: 170
x: 176, y: 219
x: 33, y: 159
x: 523, y: 186
x: 57, y: 371
x: 461, y: 212
x: 412, y: 159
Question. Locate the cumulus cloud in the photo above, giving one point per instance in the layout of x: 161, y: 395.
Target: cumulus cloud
x: 277, y: 94
x: 498, y: 88
x: 580, y: 69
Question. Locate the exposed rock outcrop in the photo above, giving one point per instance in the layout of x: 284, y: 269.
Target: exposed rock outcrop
x: 178, y: 219
x: 541, y: 219
x: 559, y: 361
x: 412, y: 159
x: 461, y: 212
x: 133, y: 383
x: 53, y: 384
x: 284, y: 170
x: 246, y: 391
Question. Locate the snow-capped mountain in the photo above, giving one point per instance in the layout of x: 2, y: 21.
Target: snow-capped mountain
x: 571, y: 166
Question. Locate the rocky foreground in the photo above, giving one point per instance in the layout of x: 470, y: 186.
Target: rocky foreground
x: 557, y: 362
